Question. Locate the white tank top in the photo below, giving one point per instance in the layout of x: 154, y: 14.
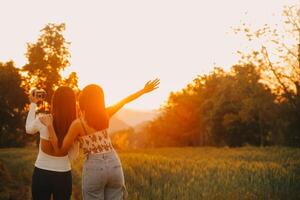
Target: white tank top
x: 44, y: 160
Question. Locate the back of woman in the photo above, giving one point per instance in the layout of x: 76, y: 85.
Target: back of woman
x: 93, y: 141
x: 52, y: 172
x: 102, y: 170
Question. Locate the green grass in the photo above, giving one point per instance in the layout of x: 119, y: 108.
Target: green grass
x: 179, y: 173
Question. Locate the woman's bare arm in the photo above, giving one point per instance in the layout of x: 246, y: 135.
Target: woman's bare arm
x: 149, y: 86
x: 32, y: 125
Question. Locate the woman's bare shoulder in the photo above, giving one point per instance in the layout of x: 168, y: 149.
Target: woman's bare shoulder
x: 78, y: 124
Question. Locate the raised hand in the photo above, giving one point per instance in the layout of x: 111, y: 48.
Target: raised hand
x: 33, y: 99
x: 151, y: 85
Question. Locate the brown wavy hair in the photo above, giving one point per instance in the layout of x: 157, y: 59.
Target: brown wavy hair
x: 91, y: 101
x: 63, y: 110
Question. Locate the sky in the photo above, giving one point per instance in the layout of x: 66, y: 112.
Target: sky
x: 122, y: 44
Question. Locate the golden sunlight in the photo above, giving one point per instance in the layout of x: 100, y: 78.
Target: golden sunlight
x: 122, y: 44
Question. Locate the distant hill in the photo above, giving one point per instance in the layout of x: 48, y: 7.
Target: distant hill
x: 134, y: 117
x: 116, y: 124
x: 127, y: 118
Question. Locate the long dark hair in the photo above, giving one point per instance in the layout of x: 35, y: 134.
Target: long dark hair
x: 91, y: 101
x: 63, y: 110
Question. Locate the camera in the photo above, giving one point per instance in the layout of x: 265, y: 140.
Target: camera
x: 39, y: 94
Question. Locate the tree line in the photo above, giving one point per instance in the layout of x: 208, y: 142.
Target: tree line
x: 257, y: 102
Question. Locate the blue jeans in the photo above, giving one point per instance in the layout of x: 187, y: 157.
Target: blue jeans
x: 103, y: 178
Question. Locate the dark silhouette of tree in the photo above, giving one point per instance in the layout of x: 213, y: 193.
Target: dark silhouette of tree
x: 12, y: 103
x: 282, y: 74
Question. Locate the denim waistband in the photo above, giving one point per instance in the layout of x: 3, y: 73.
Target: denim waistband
x: 101, y: 156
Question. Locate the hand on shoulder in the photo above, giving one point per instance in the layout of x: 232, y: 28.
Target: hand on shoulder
x: 46, y: 119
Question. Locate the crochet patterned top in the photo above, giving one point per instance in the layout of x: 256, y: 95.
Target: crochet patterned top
x: 95, y: 143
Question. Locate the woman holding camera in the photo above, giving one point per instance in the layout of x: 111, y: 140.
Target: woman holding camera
x: 102, y: 176
x: 52, y: 172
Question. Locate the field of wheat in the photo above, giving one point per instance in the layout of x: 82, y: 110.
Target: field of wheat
x: 179, y: 173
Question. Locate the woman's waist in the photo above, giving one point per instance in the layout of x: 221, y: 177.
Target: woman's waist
x: 102, y: 155
x: 52, y: 163
x: 44, y: 157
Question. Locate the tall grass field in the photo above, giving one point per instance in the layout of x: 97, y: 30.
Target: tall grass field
x: 178, y: 173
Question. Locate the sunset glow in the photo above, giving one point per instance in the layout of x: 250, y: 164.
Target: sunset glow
x: 122, y: 44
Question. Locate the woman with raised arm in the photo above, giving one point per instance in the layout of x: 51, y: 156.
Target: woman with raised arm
x: 52, y: 172
x: 102, y: 176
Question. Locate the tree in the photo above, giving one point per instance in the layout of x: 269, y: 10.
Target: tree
x: 249, y: 107
x: 222, y: 108
x: 12, y: 103
x: 46, y: 59
x: 282, y: 74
